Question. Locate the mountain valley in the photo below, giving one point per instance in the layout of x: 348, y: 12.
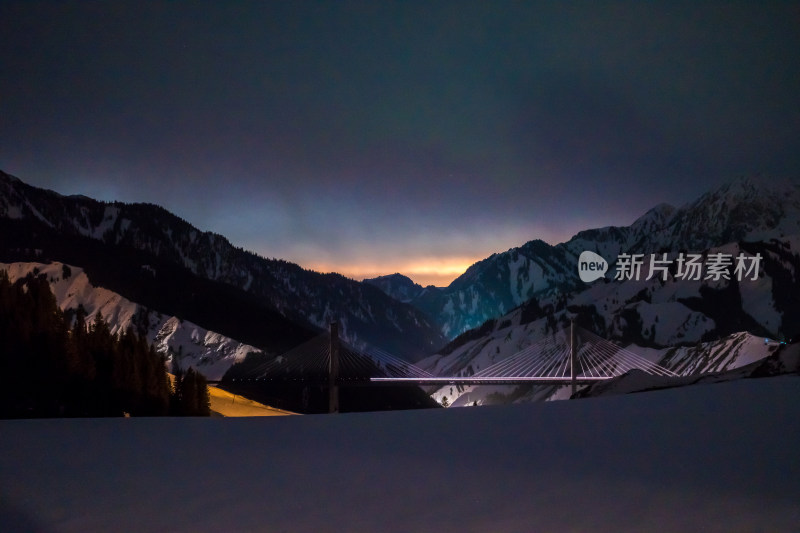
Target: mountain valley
x: 209, y: 304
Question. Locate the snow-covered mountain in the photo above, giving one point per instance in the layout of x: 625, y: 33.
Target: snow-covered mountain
x: 750, y: 215
x: 517, y: 297
x: 189, y: 344
x: 783, y: 359
x: 496, y: 285
x: 106, y: 239
x: 678, y: 321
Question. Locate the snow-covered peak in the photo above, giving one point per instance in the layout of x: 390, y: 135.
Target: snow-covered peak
x: 751, y: 187
x: 754, y: 190
x: 206, y: 351
x: 655, y: 219
x: 747, y: 209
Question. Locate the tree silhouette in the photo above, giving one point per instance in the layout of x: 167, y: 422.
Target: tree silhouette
x: 54, y: 363
x: 190, y: 396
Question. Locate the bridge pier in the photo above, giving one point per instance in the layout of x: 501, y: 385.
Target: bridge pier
x: 573, y: 347
x: 333, y: 370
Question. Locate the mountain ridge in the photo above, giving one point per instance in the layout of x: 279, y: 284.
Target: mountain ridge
x: 180, y: 341
x: 365, y: 314
x: 742, y: 210
x: 400, y: 287
x: 500, y: 304
x: 684, y: 324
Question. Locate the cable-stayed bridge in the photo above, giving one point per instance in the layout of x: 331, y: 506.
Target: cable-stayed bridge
x: 572, y: 356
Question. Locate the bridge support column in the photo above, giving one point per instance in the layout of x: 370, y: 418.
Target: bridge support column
x: 573, y: 348
x: 333, y: 370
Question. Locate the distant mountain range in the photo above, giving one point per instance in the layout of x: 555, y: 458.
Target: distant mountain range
x: 745, y: 214
x: 398, y: 286
x: 690, y: 315
x: 158, y: 260
x: 500, y: 304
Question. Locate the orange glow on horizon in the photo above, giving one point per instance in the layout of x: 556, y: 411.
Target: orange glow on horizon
x: 424, y: 271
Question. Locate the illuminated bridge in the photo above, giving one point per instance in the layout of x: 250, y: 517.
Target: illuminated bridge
x: 572, y: 356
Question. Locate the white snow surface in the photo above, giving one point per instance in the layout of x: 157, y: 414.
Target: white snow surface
x: 712, y: 458
x: 208, y: 352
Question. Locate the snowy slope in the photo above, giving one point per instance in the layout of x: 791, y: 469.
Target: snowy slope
x: 744, y: 214
x: 191, y: 345
x: 688, y: 325
x: 727, y: 353
x: 783, y: 359
x: 711, y: 458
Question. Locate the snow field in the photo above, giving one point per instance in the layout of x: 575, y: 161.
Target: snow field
x: 710, y: 458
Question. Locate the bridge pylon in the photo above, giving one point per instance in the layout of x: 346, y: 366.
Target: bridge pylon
x: 573, y: 350
x: 333, y: 370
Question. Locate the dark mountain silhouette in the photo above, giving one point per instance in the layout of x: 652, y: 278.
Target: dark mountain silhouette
x: 152, y: 256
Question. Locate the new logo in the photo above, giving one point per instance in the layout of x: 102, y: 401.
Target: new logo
x: 591, y: 266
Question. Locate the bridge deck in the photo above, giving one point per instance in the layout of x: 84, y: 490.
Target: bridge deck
x: 520, y: 380
x: 324, y: 360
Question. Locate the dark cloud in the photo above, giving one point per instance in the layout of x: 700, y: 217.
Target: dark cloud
x: 376, y: 128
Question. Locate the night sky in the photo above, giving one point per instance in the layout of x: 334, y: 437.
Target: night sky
x: 416, y: 137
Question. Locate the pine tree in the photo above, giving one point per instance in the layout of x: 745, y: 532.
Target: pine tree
x: 189, y: 394
x: 203, y: 399
x: 53, y: 364
x: 155, y: 382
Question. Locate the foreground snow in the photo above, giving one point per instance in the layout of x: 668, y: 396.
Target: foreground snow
x: 719, y: 457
